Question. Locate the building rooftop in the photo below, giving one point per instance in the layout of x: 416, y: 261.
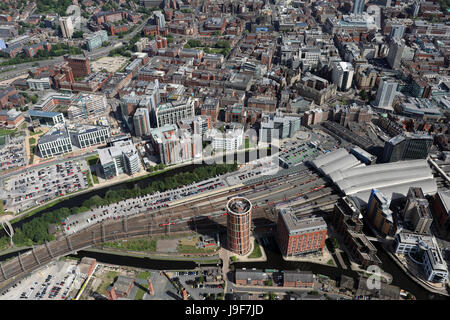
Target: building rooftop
x: 301, y: 225
x: 238, y: 205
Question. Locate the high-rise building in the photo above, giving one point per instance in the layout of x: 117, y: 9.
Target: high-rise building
x: 175, y: 145
x: 141, y: 122
x: 379, y: 214
x: 416, y: 8
x: 407, y: 146
x: 342, y: 75
x: 159, y: 19
x: 121, y: 157
x: 298, y: 236
x: 239, y: 221
x: 386, y: 93
x: 397, y: 31
x: 66, y: 26
x: 358, y: 7
x: 395, y: 53
x: 441, y: 210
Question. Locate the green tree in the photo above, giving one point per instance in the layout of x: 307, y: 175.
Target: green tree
x: 78, y: 34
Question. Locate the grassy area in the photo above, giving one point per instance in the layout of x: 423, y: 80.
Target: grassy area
x: 88, y: 177
x: 2, y: 140
x: 7, y: 132
x: 194, y: 249
x: 133, y: 245
x: 92, y: 159
x: 330, y: 262
x: 256, y: 251
x: 32, y: 141
x: 107, y: 281
x: 247, y: 143
x: 32, y: 148
x: 94, y: 178
x: 140, y: 293
x: 35, y: 133
x: 144, y: 275
x: 2, y: 212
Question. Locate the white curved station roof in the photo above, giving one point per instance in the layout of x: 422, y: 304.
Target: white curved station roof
x: 392, y: 179
x: 336, y: 160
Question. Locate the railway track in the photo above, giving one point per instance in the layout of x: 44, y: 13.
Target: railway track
x: 199, y: 215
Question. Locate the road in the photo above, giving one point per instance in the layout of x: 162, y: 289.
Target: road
x: 154, y: 223
x: 23, y: 68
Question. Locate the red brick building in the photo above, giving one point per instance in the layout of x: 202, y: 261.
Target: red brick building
x: 239, y: 219
x: 121, y: 288
x: 80, y: 66
x: 298, y: 279
x: 5, y: 94
x: 113, y: 29
x: 441, y: 210
x: 250, y: 277
x: 300, y: 236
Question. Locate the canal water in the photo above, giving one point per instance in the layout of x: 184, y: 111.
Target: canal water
x: 142, y: 183
x: 275, y: 260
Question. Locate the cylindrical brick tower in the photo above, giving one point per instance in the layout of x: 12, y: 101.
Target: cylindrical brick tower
x: 239, y: 219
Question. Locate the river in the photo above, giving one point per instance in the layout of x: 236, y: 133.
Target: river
x: 275, y: 260
x: 77, y: 200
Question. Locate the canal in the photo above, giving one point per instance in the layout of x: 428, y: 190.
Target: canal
x: 77, y: 200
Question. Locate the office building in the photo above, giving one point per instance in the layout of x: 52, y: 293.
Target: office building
x: 88, y: 106
x: 230, y: 140
x: 66, y: 26
x: 54, y: 142
x: 239, y: 221
x: 395, y: 54
x: 379, y: 214
x: 299, y: 236
x: 397, y: 31
x: 121, y: 157
x: 87, y: 136
x: 46, y: 117
x: 96, y: 39
x: 342, y: 75
x: 172, y: 112
x: 358, y: 6
x: 141, y: 122
x: 39, y: 84
x: 278, y: 126
x: 386, y: 94
x: 407, y: 146
x: 432, y: 261
x: 435, y: 267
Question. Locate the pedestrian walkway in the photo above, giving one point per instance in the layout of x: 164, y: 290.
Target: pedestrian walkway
x: 245, y: 258
x: 341, y: 260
